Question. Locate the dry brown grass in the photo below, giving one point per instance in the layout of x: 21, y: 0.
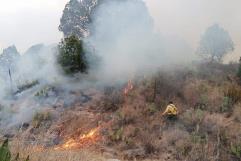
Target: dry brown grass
x: 204, y: 95
x: 51, y: 155
x: 201, y: 132
x: 40, y: 154
x: 237, y: 112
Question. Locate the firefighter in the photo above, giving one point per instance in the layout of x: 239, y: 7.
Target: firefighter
x: 171, y: 111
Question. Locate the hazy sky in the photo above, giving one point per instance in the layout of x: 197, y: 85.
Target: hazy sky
x: 28, y: 22
x: 189, y: 18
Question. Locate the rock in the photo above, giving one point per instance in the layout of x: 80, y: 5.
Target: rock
x: 8, y: 136
x: 107, y: 155
x: 25, y: 126
x: 56, y: 140
x: 134, y: 153
x: 109, y: 152
x: 104, y: 131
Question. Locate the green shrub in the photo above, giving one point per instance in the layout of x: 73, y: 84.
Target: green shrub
x: 71, y: 56
x: 117, y: 135
x: 40, y: 117
x: 5, y: 154
x: 236, y: 150
x: 44, y: 92
x: 226, y: 105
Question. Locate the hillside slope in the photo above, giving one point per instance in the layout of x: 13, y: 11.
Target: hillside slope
x: 127, y: 124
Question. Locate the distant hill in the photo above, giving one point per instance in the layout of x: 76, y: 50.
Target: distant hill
x: 8, y: 58
x: 35, y: 49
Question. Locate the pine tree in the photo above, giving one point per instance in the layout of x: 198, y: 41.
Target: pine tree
x: 76, y: 18
x: 72, y: 56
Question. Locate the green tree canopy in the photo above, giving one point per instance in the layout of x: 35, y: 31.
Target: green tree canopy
x: 72, y: 56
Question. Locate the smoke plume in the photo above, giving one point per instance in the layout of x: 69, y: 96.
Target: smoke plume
x: 124, y: 38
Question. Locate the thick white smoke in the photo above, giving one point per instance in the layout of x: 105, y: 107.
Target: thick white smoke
x: 32, y: 72
x: 124, y: 38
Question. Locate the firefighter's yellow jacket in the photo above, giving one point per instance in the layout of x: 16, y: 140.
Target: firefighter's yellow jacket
x: 170, y: 110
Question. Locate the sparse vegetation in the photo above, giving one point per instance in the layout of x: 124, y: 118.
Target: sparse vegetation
x: 206, y: 104
x: 209, y: 106
x: 26, y: 85
x: 44, y: 92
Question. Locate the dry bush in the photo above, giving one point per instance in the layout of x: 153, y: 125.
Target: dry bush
x: 215, y: 71
x: 123, y: 123
x: 215, y: 99
x: 237, y: 112
x: 192, y: 118
x: 169, y: 85
x: 165, y: 85
x: 152, y: 108
x: 211, y: 124
x: 112, y: 99
x: 150, y: 141
x: 234, y: 93
x: 129, y: 115
x: 191, y: 92
x: 203, y: 95
x: 129, y: 134
x: 198, y: 152
x: 173, y: 135
x: 40, y: 118
x: 130, y: 131
x: 183, y: 148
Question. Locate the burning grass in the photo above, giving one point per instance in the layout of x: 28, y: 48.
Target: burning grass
x: 82, y: 141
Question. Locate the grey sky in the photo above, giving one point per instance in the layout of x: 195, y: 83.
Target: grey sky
x: 28, y: 22
x: 189, y: 18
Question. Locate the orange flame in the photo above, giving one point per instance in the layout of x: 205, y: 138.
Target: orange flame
x: 84, y: 140
x: 128, y: 88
